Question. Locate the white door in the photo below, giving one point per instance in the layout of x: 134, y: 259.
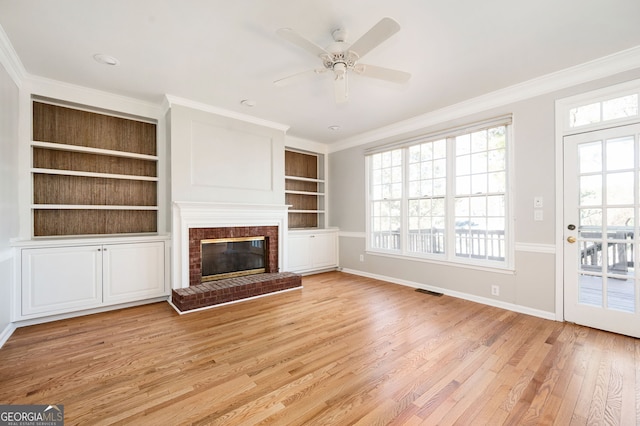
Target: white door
x: 133, y: 271
x: 61, y: 279
x: 601, y: 180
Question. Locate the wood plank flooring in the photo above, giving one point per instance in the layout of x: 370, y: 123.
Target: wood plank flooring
x: 343, y: 350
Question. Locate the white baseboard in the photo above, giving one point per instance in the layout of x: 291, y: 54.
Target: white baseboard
x: 466, y: 296
x: 6, y: 333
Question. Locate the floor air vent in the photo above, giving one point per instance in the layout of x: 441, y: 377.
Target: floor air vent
x: 429, y: 292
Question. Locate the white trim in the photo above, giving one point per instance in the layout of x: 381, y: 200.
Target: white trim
x: 6, y: 333
x: 10, y: 60
x: 598, y: 68
x: 562, y: 107
x: 204, y: 308
x: 82, y: 97
x: 349, y: 234
x: 213, y: 215
x: 536, y: 248
x: 171, y: 100
x: 295, y: 142
x: 466, y: 296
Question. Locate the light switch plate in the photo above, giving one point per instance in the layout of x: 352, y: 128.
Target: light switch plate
x: 538, y: 202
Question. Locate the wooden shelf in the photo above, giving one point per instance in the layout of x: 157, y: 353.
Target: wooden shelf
x: 88, y: 207
x: 304, y: 193
x: 92, y: 173
x: 304, y: 189
x: 307, y: 211
x: 89, y: 150
x: 304, y: 179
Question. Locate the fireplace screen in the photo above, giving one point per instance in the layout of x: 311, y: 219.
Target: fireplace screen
x: 232, y: 257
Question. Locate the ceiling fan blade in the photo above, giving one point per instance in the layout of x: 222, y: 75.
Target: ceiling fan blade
x: 375, y: 36
x: 295, y: 38
x: 381, y: 73
x: 286, y: 80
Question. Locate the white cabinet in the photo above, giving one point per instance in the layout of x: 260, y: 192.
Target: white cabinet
x: 312, y: 250
x: 132, y: 271
x: 62, y: 279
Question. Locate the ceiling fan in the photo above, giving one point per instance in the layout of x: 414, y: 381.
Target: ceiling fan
x: 341, y: 57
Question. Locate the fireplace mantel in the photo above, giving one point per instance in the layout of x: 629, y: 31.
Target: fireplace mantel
x: 188, y: 215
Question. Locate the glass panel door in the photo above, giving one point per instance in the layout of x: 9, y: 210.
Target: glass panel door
x: 601, y: 180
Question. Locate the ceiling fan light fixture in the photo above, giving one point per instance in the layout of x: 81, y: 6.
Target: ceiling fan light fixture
x: 340, y: 69
x: 341, y: 57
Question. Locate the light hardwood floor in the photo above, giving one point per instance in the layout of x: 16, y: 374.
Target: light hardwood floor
x: 343, y: 350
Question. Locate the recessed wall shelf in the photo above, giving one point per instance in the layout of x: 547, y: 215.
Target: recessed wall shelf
x: 304, y: 189
x: 92, y: 173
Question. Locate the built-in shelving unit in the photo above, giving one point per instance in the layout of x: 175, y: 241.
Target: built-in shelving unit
x: 92, y: 173
x: 304, y: 189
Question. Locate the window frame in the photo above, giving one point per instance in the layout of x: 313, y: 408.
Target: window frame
x: 449, y: 257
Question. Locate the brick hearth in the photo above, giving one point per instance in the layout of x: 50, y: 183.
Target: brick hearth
x: 232, y: 289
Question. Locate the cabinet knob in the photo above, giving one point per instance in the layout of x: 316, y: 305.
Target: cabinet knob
x: 99, y: 249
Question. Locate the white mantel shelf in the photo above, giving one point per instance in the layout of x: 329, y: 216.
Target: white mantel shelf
x: 189, y: 214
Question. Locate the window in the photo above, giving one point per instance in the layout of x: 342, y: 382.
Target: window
x: 443, y: 197
x: 613, y: 109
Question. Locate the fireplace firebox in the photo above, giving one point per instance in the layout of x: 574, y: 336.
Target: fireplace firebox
x: 232, y: 257
x: 197, y: 235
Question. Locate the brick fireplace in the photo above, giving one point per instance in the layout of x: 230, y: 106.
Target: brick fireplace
x: 194, y: 222
x: 196, y: 235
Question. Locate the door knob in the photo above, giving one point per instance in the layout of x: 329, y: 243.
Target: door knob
x: 571, y: 239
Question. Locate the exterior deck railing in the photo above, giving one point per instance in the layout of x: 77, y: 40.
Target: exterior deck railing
x: 474, y: 243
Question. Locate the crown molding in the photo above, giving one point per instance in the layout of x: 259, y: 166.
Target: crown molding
x: 10, y: 60
x: 171, y: 100
x: 599, y: 68
x: 305, y: 144
x: 81, y: 95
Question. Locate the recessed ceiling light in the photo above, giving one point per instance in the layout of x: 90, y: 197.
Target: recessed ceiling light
x: 249, y: 103
x: 334, y: 128
x: 106, y: 59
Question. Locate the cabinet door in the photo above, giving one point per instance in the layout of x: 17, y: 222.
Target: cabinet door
x: 299, y: 255
x: 323, y: 250
x: 133, y: 271
x: 61, y: 279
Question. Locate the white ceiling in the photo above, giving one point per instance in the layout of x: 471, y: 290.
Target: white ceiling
x: 219, y: 52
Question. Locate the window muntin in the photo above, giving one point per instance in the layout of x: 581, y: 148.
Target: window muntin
x: 450, y: 201
x: 426, y: 200
x: 386, y: 198
x: 612, y: 109
x: 481, y: 181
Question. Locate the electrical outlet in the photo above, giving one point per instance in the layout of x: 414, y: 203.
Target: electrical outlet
x: 495, y: 290
x: 362, y: 258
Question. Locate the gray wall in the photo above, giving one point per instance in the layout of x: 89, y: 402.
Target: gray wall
x: 532, y: 286
x: 8, y: 189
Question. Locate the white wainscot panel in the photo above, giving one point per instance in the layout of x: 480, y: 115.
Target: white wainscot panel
x: 227, y: 158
